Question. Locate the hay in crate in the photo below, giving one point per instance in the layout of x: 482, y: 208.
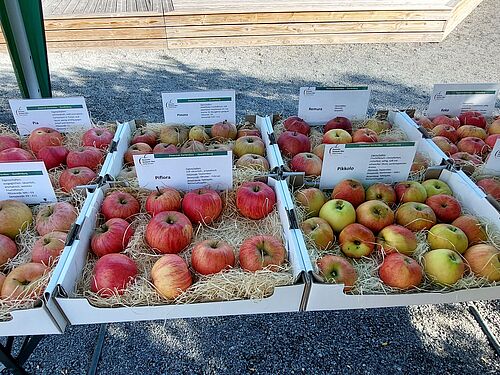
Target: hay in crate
x: 234, y: 284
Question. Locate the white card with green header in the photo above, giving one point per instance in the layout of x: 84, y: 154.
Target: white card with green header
x: 62, y: 114
x: 317, y: 105
x: 492, y: 165
x: 367, y: 162
x: 453, y: 99
x: 27, y: 182
x: 199, y: 107
x: 185, y: 171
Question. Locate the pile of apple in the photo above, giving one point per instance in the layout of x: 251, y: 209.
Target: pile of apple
x: 295, y: 142
x: 383, y: 222
x: 51, y: 226
x: 48, y: 145
x: 171, y: 232
x: 246, y: 143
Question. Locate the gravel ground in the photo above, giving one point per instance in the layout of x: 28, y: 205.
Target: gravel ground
x: 125, y: 84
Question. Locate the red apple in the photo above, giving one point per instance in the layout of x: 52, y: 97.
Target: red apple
x: 296, y: 124
x: 293, y: 143
x: 473, y: 145
x: 415, y: 216
x: 447, y: 146
x: 464, y: 158
x: 400, y: 271
x: 349, y: 190
x: 425, y: 122
x: 375, y: 215
x: 311, y: 199
x: 447, y: 120
x: 88, y: 156
x: 6, y: 141
x: 356, y: 241
x: 58, y: 216
x: 471, y: 131
x: 364, y: 136
x: 248, y: 131
x: 472, y: 228
x: 2, y: 279
x: 165, y: 199
x: 446, y: 207
x: 165, y: 148
x: 337, y: 136
x: 136, y: 149
x: 8, y: 249
x: 147, y: 136
x: 22, y: 282
x: 53, y: 156
x: 490, y: 186
x: 15, y: 154
x: 171, y: 276
x: 472, y: 118
x: 212, y: 256
x: 396, y: 238
x: 447, y: 131
x: 120, y: 204
x: 97, y: 137
x: 494, y: 127
x: 308, y: 163
x: 255, y: 200
x: 112, y: 274
x: 382, y: 192
x: 169, y: 232
x: 224, y: 130
x: 254, y: 162
x: 338, y: 270
x: 319, y: 231
x: 15, y: 217
x: 202, y: 206
x: 492, y: 139
x: 484, y: 261
x: 410, y: 191
x: 259, y: 252
x: 111, y: 237
x: 73, y: 177
x: 319, y: 150
x: 48, y: 247
x: 338, y: 123
x: 249, y: 144
x: 41, y: 137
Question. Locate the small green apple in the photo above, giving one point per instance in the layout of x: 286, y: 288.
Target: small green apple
x: 435, y: 187
x: 338, y: 213
x: 447, y: 236
x: 443, y: 266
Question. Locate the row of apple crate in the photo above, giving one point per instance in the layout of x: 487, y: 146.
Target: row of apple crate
x: 294, y: 281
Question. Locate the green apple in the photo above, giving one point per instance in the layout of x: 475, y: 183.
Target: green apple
x: 311, y: 199
x: 443, y: 266
x: 378, y: 126
x: 435, y: 187
x: 338, y: 213
x: 198, y: 133
x: 319, y: 231
x: 396, y: 238
x: 447, y: 236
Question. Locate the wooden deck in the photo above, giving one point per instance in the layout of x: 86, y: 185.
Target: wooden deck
x: 222, y: 23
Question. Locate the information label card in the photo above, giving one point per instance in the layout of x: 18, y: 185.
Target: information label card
x: 492, y: 165
x: 62, y: 114
x: 185, y: 171
x: 453, y: 99
x: 320, y: 104
x: 367, y: 162
x: 199, y: 107
x: 27, y: 182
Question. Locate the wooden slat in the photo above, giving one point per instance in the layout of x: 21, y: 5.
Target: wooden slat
x: 462, y: 9
x: 146, y: 43
x: 303, y: 28
x: 105, y: 34
x: 103, y: 23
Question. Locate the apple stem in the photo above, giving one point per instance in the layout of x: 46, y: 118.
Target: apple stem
x: 158, y: 190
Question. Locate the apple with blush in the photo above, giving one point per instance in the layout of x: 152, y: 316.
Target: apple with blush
x: 111, y: 237
x: 338, y: 123
x: 98, y: 137
x: 447, y: 120
x: 253, y: 161
x: 296, y: 124
x: 219, y: 147
x: 164, y: 199
x: 396, y: 238
x: 445, y: 145
x: 223, y: 131
x: 87, y: 156
x: 337, y: 270
x: 192, y: 146
x: 446, y: 131
x: 490, y: 186
x: 170, y: 275
x: 464, y: 158
x: 472, y: 228
x: 44, y: 136
x: 136, y: 149
x: 494, y: 127
x: 446, y: 207
x: 73, y: 177
x: 202, y: 206
x: 319, y: 150
x: 53, y: 156
x: 415, y: 216
x: 112, y: 274
x: 212, y: 256
x: 492, y: 139
x: 308, y: 163
x: 471, y: 131
x: 337, y: 136
x: 165, y: 148
x: 8, y: 249
x: 319, y: 231
x: 473, y: 145
x: 410, y: 191
x: 364, y: 136
x: 142, y: 135
x: 6, y: 141
x: 58, y: 216
x: 375, y: 215
x: 120, y: 204
x: 48, y: 247
x: 248, y: 131
x: 169, y: 232
x: 255, y: 200
x: 23, y: 282
x: 356, y: 241
x: 484, y: 261
x: 350, y: 190
x: 15, y: 217
x: 382, y: 192
x: 473, y: 118
x: 311, y: 200
x: 400, y: 271
x: 424, y: 122
x: 259, y: 252
x: 293, y: 143
x: 15, y: 154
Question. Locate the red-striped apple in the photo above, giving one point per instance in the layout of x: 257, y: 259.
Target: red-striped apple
x: 120, y: 204
x: 400, y: 271
x: 255, y: 200
x: 259, y: 252
x: 170, y: 275
x: 202, y: 206
x: 112, y: 274
x: 111, y: 237
x: 212, y: 256
x: 415, y: 216
x: 169, y: 232
x: 350, y: 190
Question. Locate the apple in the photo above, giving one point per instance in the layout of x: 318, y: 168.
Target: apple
x: 350, y: 190
x: 447, y: 236
x: 15, y: 154
x: 198, y: 133
x: 396, y: 238
x: 311, y: 199
x: 356, y: 241
x: 378, y: 126
x: 410, y: 191
x: 97, y: 137
x: 364, y: 136
x: 338, y: 123
x: 73, y: 177
x: 293, y: 143
x: 420, y: 163
x: 202, y: 206
x: 400, y: 271
x: 308, y: 163
x: 249, y: 144
x: 136, y: 149
x: 447, y: 146
x: 471, y: 131
x: 223, y: 131
x: 472, y: 228
x: 41, y: 137
x: 338, y: 213
x: 174, y: 134
x: 296, y: 124
x: 435, y: 186
x: 15, y: 217
x: 338, y: 270
x: 112, y: 274
x: 219, y: 147
x: 53, y: 156
x: 212, y: 256
x: 473, y: 145
x: 169, y: 232
x: 492, y: 139
x: 337, y: 136
x: 490, y: 186
x: 193, y: 146
x: 424, y: 122
x: 111, y: 237
x: 259, y: 252
x: 255, y: 200
x: 120, y: 204
x: 88, y: 156
x: 127, y: 173
x: 6, y: 141
x: 171, y: 276
x: 2, y: 279
x: 253, y: 161
x: 58, y: 216
x: 319, y: 231
x: 319, y: 150
x: 48, y: 247
x: 415, y: 216
x: 382, y: 192
x: 472, y: 118
x: 165, y: 148
x: 447, y: 120
x: 443, y: 266
x: 147, y: 136
x: 446, y: 207
x: 248, y: 131
x: 494, y: 127
x: 463, y: 158
x: 446, y: 131
x: 484, y: 261
x: 22, y: 282
x: 8, y: 249
x: 375, y: 215
x: 164, y: 199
